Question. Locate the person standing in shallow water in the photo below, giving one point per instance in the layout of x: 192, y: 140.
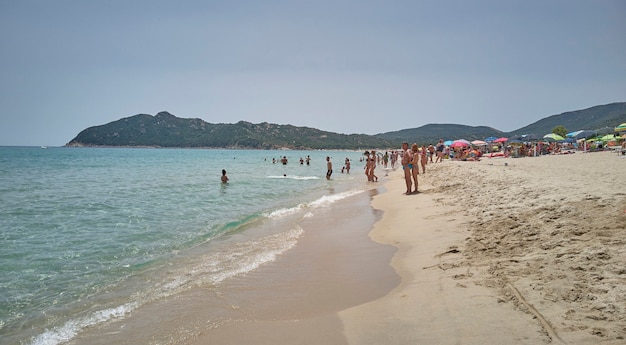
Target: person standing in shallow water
x: 329, y: 167
x: 224, y: 177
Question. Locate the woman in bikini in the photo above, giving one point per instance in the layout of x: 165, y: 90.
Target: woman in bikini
x: 372, y: 176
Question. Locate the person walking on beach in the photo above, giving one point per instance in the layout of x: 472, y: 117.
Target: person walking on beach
x: 367, y: 165
x: 439, y: 149
x: 431, y: 152
x: 329, y: 167
x: 372, y: 176
x: 224, y: 177
x: 406, y: 166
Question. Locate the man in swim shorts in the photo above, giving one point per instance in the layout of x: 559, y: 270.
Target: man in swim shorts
x: 329, y: 166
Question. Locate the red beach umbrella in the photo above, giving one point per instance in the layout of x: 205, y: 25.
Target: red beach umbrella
x: 501, y: 140
x: 460, y: 143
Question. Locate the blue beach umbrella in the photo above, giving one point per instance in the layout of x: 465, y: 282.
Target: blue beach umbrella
x: 448, y: 142
x: 585, y: 134
x: 573, y: 134
x: 490, y: 138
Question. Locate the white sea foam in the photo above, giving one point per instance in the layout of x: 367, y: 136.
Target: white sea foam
x: 323, y: 201
x: 282, y: 212
x: 327, y: 200
x: 71, y: 328
x: 247, y: 256
x: 295, y: 177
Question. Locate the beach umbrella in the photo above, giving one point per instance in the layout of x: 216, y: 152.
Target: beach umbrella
x: 605, y: 130
x: 460, y: 143
x: 530, y: 137
x: 608, y: 137
x: 490, y: 138
x: 448, y: 142
x: 585, y: 134
x: 479, y: 143
x: 573, y: 134
x: 553, y: 137
x: 500, y: 140
x: 621, y: 128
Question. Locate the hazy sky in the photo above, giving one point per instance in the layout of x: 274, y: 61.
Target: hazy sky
x: 342, y: 66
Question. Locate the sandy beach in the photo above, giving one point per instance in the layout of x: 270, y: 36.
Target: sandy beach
x: 503, y: 251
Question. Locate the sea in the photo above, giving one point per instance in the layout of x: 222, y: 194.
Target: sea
x: 87, y: 235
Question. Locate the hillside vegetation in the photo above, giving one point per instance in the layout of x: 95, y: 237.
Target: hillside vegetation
x: 167, y: 130
x: 609, y: 115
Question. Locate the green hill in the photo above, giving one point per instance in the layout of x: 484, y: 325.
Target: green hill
x: 431, y: 133
x: 167, y: 130
x: 608, y: 115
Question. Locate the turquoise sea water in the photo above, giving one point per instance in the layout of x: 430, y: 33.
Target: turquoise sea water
x: 89, y: 234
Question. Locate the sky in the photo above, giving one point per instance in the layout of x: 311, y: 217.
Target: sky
x: 353, y: 66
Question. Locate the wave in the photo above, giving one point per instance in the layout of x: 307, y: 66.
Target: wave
x: 295, y: 177
x: 323, y: 201
x: 71, y: 328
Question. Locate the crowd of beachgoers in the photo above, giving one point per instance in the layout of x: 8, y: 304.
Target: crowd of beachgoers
x: 515, y: 147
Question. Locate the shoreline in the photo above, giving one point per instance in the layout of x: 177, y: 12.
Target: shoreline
x: 503, y: 251
x: 335, y: 265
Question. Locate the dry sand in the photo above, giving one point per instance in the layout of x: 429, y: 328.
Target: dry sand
x: 503, y: 251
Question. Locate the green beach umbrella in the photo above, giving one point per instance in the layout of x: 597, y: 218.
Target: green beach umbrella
x: 621, y: 128
x: 608, y: 137
x: 552, y: 136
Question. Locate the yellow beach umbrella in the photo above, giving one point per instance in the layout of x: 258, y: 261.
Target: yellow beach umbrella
x: 621, y: 128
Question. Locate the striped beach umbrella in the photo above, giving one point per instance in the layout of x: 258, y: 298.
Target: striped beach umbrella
x: 621, y: 128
